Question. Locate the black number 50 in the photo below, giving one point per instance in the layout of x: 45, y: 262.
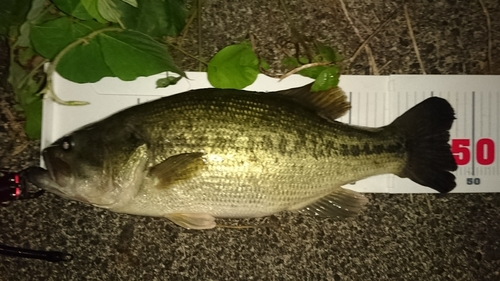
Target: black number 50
x: 473, y: 181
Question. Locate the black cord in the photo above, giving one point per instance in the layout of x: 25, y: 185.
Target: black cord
x: 52, y: 256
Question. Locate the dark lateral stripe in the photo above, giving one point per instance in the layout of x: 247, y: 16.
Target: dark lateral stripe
x: 367, y: 149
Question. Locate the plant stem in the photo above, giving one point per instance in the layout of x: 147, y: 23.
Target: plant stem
x: 412, y: 36
x: 31, y: 73
x: 194, y: 13
x: 293, y: 71
x: 52, y: 67
x: 488, y: 25
x: 199, y: 4
x: 187, y: 54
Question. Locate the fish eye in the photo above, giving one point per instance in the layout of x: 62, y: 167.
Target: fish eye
x: 67, y: 143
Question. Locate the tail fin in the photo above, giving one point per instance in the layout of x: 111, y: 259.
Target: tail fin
x: 426, y: 128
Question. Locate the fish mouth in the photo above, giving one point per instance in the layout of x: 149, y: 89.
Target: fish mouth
x: 59, y: 170
x: 42, y: 179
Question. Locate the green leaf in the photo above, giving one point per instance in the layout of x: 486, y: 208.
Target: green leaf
x: 264, y: 65
x: 156, y: 18
x: 13, y: 13
x: 74, y: 8
x: 312, y: 72
x: 33, y: 113
x: 290, y: 62
x: 16, y: 74
x: 92, y: 8
x: 235, y: 66
x: 112, y: 10
x: 167, y: 81
x: 126, y: 55
x: 327, y: 79
x: 327, y: 53
x: 132, y: 3
x: 29, y: 102
x: 24, y: 55
x: 24, y: 89
x: 51, y: 37
x: 35, y: 12
x: 84, y: 63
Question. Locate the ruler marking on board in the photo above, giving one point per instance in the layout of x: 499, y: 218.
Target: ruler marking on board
x: 473, y: 137
x: 475, y: 121
x: 489, y: 114
x: 350, y: 110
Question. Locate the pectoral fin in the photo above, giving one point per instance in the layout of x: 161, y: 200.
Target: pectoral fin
x: 341, y: 203
x: 177, y: 168
x: 193, y: 220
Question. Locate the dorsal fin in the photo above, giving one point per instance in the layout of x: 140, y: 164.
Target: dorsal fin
x: 330, y: 104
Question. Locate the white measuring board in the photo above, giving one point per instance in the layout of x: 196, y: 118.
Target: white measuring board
x: 376, y: 101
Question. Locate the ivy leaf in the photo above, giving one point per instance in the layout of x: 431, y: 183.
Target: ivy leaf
x: 112, y: 10
x: 51, y: 37
x: 156, y: 18
x: 34, y: 13
x: 327, y: 54
x: 264, y: 65
x: 13, y: 13
x: 33, y: 114
x: 327, y: 79
x: 313, y: 72
x: 127, y: 55
x: 24, y: 89
x: 132, y: 3
x: 235, y: 66
x: 290, y: 62
x: 84, y: 64
x: 28, y: 101
x: 24, y: 55
x: 74, y: 8
x: 92, y: 8
x: 167, y: 81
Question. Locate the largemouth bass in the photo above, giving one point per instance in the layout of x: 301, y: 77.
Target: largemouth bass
x: 221, y: 153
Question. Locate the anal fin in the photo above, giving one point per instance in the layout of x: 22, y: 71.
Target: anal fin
x: 193, y: 220
x: 341, y: 203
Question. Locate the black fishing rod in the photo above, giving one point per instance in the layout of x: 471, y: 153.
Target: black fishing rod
x: 13, y: 187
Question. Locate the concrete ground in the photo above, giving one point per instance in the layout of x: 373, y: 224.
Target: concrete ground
x: 398, y: 237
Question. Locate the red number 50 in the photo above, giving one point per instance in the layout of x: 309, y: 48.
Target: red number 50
x: 485, y: 151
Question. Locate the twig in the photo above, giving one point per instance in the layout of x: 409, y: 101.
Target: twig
x: 254, y: 49
x: 187, y: 54
x: 371, y: 59
x: 194, y: 13
x: 356, y: 53
x: 31, y: 73
x: 429, y: 205
x: 412, y: 36
x: 14, y: 124
x: 385, y: 65
x: 295, y: 70
x: 200, y: 66
x: 488, y: 22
